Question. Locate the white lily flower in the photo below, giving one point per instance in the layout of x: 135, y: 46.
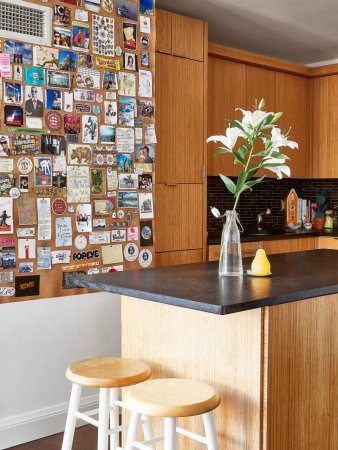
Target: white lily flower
x: 230, y: 138
x: 279, y: 140
x: 279, y: 170
x: 253, y: 119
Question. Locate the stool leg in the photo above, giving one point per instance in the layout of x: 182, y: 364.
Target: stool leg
x: 102, y: 441
x: 134, y: 422
x: 170, y: 437
x: 147, y: 429
x: 114, y: 418
x: 71, y: 419
x: 210, y: 431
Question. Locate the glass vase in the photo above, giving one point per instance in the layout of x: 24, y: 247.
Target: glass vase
x: 230, y: 260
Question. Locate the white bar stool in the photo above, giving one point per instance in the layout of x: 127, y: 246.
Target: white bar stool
x: 172, y: 398
x: 109, y: 375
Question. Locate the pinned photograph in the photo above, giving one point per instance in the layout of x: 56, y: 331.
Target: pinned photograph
x: 13, y: 116
x: 72, y: 123
x: 89, y: 129
x: 145, y: 59
x: 53, y: 145
x: 145, y: 24
x: 8, y: 258
x: 145, y: 109
x: 19, y: 53
x: 6, y: 215
x: 126, y: 112
x: 130, y: 61
x: 7, y: 182
x: 4, y: 145
x: 98, y: 181
x: 144, y: 153
x: 124, y: 163
x: 61, y: 37
x: 80, y: 36
x: 44, y: 258
x: 45, y: 57
x: 146, y: 206
x: 24, y: 183
x: 12, y: 92
x: 126, y: 9
x: 110, y: 112
x: 26, y: 249
x: 67, y: 61
x: 85, y: 61
x: 26, y: 267
x: 53, y: 99
x: 42, y: 171
x: 17, y: 73
x: 104, y: 208
x: 129, y: 35
x: 25, y: 144
x: 147, y: 7
x: 118, y: 235
x: 34, y: 101
x: 146, y: 233
x: 127, y: 200
x: 107, y: 134
x: 35, y: 76
x: 79, y: 154
x: 145, y: 182
x: 82, y: 95
x: 127, y: 84
x: 88, y: 78
x: 128, y: 181
x: 109, y: 81
x: 103, y: 35
x: 61, y: 15
x: 84, y: 218
x: 145, y: 84
x: 58, y: 79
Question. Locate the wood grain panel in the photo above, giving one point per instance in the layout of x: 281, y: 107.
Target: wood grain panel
x: 260, y: 83
x: 226, y: 92
x: 324, y: 127
x: 234, y: 54
x: 163, y: 31
x: 179, y: 257
x: 303, y: 373
x: 223, y: 351
x: 248, y: 249
x: 180, y: 111
x: 187, y: 37
x: 327, y: 242
x: 290, y: 245
x: 293, y: 99
x: 178, y: 217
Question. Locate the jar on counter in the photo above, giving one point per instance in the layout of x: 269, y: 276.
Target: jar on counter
x: 335, y: 217
x: 328, y: 219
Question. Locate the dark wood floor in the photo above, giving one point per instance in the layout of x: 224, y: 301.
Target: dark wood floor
x: 85, y: 439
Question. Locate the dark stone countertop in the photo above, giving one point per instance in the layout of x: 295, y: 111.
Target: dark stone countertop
x: 295, y: 276
x: 214, y: 238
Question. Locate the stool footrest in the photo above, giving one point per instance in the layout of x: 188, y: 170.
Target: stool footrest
x: 86, y: 418
x: 191, y: 435
x: 146, y: 444
x: 118, y: 429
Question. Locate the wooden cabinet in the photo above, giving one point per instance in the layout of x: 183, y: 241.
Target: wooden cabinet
x: 324, y: 127
x: 180, y: 35
x: 271, y: 247
x: 179, y: 257
x: 293, y: 98
x: 260, y: 83
x: 330, y: 243
x: 179, y: 120
x: 179, y: 211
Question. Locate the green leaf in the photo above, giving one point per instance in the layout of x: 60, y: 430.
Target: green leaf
x: 278, y: 155
x: 238, y: 159
x: 276, y: 117
x: 256, y: 181
x: 228, y: 183
x: 261, y: 103
x: 252, y: 172
x: 240, y: 182
x: 236, y: 124
x: 221, y: 150
x: 272, y: 164
x: 243, y: 151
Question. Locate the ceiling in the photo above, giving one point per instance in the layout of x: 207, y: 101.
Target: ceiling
x: 302, y: 31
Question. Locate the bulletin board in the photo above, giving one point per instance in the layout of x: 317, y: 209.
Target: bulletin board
x: 77, y: 148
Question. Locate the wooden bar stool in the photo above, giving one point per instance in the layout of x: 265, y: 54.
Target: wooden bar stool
x: 109, y: 375
x: 172, y: 398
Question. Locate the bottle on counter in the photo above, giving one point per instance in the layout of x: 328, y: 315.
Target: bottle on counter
x: 335, y: 217
x: 328, y: 219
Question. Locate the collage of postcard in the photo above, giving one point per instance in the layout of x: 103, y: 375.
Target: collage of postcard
x: 78, y: 146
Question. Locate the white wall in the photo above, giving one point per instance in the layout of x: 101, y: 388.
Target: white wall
x: 38, y: 340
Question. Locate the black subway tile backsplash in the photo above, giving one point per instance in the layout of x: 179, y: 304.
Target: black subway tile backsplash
x: 265, y: 195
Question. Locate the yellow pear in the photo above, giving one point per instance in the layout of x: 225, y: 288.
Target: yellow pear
x: 260, y: 265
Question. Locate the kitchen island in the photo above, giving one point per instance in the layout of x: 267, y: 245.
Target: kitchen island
x: 268, y: 345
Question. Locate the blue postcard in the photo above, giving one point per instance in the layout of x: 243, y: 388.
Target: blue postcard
x: 35, y: 76
x: 147, y: 7
x: 67, y: 60
x: 20, y: 53
x: 53, y: 99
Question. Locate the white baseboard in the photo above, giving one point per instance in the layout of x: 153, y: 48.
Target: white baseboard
x: 40, y: 423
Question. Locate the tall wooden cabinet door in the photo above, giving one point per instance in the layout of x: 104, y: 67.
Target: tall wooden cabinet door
x: 163, y: 31
x: 260, y: 83
x: 179, y: 119
x: 187, y: 37
x: 226, y: 92
x: 293, y: 99
x: 324, y: 127
x: 179, y: 217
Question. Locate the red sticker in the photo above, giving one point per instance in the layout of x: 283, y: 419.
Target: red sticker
x: 59, y: 206
x: 53, y: 120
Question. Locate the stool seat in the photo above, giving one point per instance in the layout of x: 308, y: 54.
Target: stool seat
x: 108, y: 372
x: 172, y: 397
